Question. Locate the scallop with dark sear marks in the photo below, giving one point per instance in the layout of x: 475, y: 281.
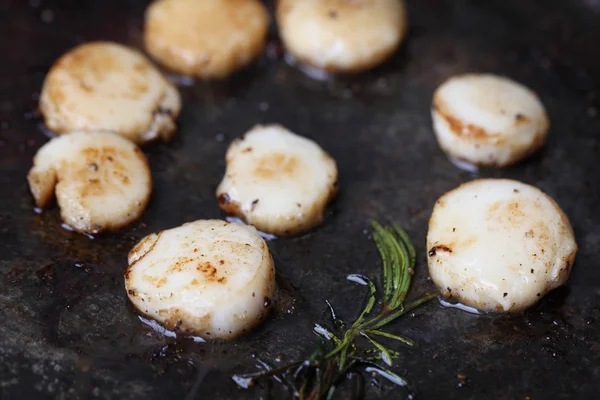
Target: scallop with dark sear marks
x: 101, y: 180
x: 104, y: 86
x: 206, y: 278
x: 206, y: 38
x: 282, y: 186
x: 488, y: 120
x: 499, y: 245
x: 341, y: 35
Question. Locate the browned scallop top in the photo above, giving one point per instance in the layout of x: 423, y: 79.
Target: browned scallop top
x: 332, y: 9
x: 101, y: 69
x: 196, y: 257
x: 209, y: 272
x: 457, y: 126
x: 276, y: 165
x: 202, y: 22
x: 522, y: 215
x: 511, y: 212
x: 101, y: 171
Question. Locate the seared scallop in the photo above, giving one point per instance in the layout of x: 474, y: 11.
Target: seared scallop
x: 103, y: 86
x: 341, y: 35
x: 499, y: 245
x: 207, y: 38
x: 208, y: 278
x: 488, y: 120
x: 101, y: 180
x: 277, y: 181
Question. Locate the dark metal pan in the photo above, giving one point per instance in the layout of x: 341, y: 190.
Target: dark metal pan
x: 66, y: 328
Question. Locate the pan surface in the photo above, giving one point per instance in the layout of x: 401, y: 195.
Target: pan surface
x: 67, y: 329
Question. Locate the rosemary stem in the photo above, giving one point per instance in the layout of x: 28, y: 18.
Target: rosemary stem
x: 386, y: 319
x: 337, y: 355
x: 272, y: 372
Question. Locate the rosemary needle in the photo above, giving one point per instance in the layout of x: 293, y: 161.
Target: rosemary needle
x: 337, y: 355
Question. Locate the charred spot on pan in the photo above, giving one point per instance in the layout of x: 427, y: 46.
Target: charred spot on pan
x: 254, y: 204
x: 437, y: 248
x: 463, y: 380
x: 505, y: 294
x: 132, y: 292
x: 247, y: 150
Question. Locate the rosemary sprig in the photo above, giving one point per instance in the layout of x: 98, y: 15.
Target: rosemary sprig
x: 337, y: 354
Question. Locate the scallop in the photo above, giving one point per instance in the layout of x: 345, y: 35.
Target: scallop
x: 341, y: 35
x: 103, y: 86
x: 499, y: 245
x: 488, y: 120
x: 101, y: 180
x: 208, y: 38
x: 208, y: 278
x: 277, y: 181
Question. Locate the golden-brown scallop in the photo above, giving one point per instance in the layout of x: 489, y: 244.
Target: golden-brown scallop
x: 342, y: 35
x: 103, y: 86
x: 277, y: 181
x: 101, y: 180
x: 207, y: 278
x: 499, y: 245
x: 207, y: 38
x: 488, y: 120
